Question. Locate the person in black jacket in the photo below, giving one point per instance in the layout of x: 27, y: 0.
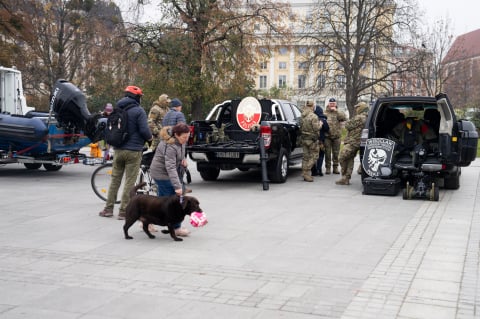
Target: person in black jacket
x: 128, y: 156
x: 317, y: 169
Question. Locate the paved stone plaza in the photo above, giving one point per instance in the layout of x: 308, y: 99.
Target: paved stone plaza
x: 299, y: 250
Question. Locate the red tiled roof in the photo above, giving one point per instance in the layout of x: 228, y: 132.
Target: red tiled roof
x: 465, y: 46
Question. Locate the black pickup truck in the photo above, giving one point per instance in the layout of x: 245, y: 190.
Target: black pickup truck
x: 234, y: 132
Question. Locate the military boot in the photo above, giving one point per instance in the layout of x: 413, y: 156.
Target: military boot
x: 306, y: 176
x: 345, y: 180
x: 335, y: 170
x: 360, y: 169
x: 327, y: 170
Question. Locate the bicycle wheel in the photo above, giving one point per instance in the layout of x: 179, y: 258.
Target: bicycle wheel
x: 101, y: 178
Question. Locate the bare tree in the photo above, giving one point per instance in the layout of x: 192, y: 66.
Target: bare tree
x: 433, y: 48
x: 65, y: 39
x: 207, y: 45
x: 355, y: 42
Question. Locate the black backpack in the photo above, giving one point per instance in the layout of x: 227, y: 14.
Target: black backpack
x: 116, y: 132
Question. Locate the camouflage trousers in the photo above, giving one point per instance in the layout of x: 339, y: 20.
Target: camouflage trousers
x: 346, y: 159
x: 310, y: 155
x: 332, y: 149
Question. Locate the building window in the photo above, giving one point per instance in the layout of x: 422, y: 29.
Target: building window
x: 302, y: 50
x: 263, y: 65
x: 322, y: 65
x: 322, y: 51
x: 399, y: 85
x: 282, y: 65
x: 263, y: 50
x: 303, y: 65
x: 282, y: 81
x: 341, y: 81
x: 263, y: 81
x: 321, y: 80
x: 283, y: 51
x: 301, y: 81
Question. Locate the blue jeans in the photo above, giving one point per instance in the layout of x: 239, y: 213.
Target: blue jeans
x: 165, y: 188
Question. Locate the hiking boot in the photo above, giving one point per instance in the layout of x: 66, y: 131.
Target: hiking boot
x: 314, y: 172
x: 121, y: 215
x: 335, y: 170
x: 359, y: 170
x: 320, y: 173
x: 307, y: 178
x: 182, y: 232
x: 343, y: 181
x: 106, y: 212
x: 327, y: 170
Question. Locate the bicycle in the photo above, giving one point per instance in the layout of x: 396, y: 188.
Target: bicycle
x: 101, y: 178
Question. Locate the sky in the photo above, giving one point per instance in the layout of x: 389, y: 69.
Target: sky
x: 464, y: 15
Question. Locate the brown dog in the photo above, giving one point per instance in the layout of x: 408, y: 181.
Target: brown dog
x: 163, y: 211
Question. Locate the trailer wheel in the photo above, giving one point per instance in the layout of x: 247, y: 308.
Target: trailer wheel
x: 32, y: 165
x: 52, y: 167
x: 434, y: 193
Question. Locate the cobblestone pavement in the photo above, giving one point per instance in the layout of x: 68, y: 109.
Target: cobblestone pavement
x: 300, y: 250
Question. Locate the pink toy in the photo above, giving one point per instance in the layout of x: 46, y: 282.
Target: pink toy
x: 198, y: 219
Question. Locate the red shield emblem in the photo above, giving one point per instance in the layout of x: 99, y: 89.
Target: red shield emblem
x: 249, y: 112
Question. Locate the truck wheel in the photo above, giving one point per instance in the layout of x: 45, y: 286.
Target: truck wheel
x: 32, y: 165
x: 278, y: 170
x: 452, y: 182
x: 52, y: 167
x: 210, y: 173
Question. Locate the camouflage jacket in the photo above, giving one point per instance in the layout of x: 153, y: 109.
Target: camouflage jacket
x: 354, y: 128
x: 155, y: 117
x: 334, y: 122
x: 310, y: 125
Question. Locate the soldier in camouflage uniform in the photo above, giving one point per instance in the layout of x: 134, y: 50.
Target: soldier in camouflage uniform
x: 155, y: 117
x: 310, y: 129
x: 351, y: 144
x: 333, y: 137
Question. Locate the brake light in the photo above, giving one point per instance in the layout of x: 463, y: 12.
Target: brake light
x: 266, y: 134
x: 364, y: 137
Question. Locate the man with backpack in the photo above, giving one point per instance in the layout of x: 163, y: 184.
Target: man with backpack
x: 128, y: 142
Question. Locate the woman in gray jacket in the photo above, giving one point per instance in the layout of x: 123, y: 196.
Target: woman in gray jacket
x: 168, y: 161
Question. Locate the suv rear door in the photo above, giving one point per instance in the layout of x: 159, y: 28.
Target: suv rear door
x: 458, y: 138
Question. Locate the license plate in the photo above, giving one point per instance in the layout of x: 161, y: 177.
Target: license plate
x: 227, y: 154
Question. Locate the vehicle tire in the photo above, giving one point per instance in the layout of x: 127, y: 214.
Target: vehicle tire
x: 434, y: 193
x: 278, y: 170
x: 32, y: 165
x: 408, y: 191
x: 52, y: 167
x: 452, y: 182
x: 209, y: 173
x: 100, y: 181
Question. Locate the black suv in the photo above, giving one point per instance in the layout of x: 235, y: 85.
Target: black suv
x: 415, y: 143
